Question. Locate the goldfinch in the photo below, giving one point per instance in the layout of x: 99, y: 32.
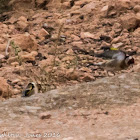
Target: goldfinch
x: 30, y: 90
x: 118, y: 62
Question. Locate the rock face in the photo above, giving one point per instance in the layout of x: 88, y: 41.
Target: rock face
x: 83, y: 109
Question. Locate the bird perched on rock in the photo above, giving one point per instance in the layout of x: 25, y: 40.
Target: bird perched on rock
x: 30, y: 89
x: 118, y: 62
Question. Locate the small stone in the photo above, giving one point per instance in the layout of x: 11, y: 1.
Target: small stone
x: 87, y: 35
x: 22, y: 25
x: 29, y: 56
x: 22, y: 18
x: 88, y: 7
x: 16, y: 91
x: 44, y: 115
x: 2, y: 56
x: 87, y: 77
x: 16, y: 81
x: 104, y: 10
x: 12, y: 60
x: 14, y: 64
x: 138, y: 17
x: 65, y: 5
x: 137, y: 8
x: 116, y: 40
x: 22, y: 22
x: 75, y: 38
x: 12, y: 20
x: 43, y: 33
x: 39, y: 2
x: 77, y: 43
x: 72, y: 75
x: 118, y: 45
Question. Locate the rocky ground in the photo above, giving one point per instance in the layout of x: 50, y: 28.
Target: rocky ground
x: 106, y: 109
x: 51, y: 43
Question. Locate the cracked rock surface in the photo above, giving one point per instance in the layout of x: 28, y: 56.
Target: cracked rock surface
x: 107, y: 108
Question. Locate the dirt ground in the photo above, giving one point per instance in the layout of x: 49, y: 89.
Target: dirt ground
x: 52, y: 44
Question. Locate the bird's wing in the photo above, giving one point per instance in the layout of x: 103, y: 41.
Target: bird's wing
x: 120, y: 56
x: 107, y: 54
x: 27, y: 90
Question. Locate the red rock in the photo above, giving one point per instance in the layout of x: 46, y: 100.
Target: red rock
x: 105, y: 44
x: 65, y: 5
x: 5, y: 89
x: 88, y: 7
x: 14, y: 63
x: 26, y: 42
x: 4, y: 26
x: 87, y: 77
x: 16, y: 92
x: 12, y: 20
x: 75, y: 12
x: 43, y: 33
x: 118, y: 45
x: 22, y: 18
x: 87, y: 35
x: 46, y: 62
x: 105, y: 10
x: 75, y: 38
x: 15, y: 81
x: 79, y: 3
x: 70, y: 51
x: 11, y: 27
x: 116, y: 40
x: 85, y: 69
x: 72, y: 75
x: 1, y: 56
x: 138, y: 17
x: 77, y: 43
x: 124, y: 4
x: 39, y: 2
x: 29, y: 56
x: 137, y: 8
x: 22, y: 23
x: 129, y: 21
x: 13, y: 59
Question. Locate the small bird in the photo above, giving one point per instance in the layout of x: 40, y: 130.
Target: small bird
x: 118, y: 62
x: 30, y: 90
